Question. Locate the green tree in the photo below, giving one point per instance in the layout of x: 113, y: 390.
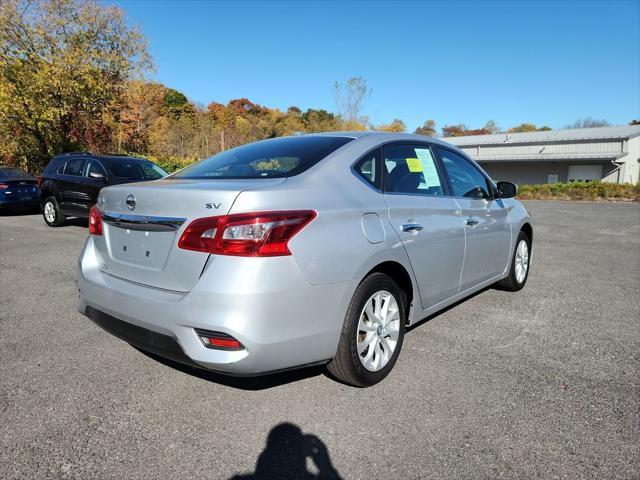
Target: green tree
x: 63, y: 68
x: 176, y: 104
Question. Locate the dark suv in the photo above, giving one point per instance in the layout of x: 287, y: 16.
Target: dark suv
x: 70, y: 184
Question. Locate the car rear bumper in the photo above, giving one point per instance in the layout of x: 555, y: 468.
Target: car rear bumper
x: 281, y: 320
x: 31, y: 200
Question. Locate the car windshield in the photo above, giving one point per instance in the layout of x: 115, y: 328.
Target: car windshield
x: 278, y: 157
x: 136, y: 169
x: 10, y: 172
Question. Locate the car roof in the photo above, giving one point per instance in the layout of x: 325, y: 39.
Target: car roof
x: 108, y: 158
x: 382, y: 136
x: 115, y: 158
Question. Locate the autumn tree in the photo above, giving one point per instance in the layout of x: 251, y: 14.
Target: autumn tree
x: 143, y: 103
x: 396, y: 126
x: 523, y: 127
x: 428, y: 128
x: 63, y: 67
x: 527, y: 127
x: 461, y: 130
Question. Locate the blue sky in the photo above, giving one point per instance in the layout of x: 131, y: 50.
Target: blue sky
x: 545, y: 62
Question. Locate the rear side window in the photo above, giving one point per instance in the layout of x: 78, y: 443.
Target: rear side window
x: 74, y: 167
x: 276, y: 158
x: 135, y: 169
x: 411, y: 169
x: 466, y: 180
x: 368, y: 168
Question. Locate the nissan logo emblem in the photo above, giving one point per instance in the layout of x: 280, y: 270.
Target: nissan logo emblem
x: 131, y: 202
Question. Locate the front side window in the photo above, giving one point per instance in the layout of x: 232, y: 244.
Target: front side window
x: 74, y: 167
x: 276, y: 158
x: 466, y: 180
x: 411, y: 169
x: 94, y: 170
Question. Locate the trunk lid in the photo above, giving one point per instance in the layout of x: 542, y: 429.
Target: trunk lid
x: 19, y: 188
x: 140, y: 244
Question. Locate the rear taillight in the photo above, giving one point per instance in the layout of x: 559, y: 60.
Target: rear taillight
x: 260, y: 234
x: 38, y: 180
x: 3, y: 186
x: 95, y: 221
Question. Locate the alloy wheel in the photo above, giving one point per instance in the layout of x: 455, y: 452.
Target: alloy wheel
x: 378, y: 330
x: 50, y: 212
x: 522, y: 261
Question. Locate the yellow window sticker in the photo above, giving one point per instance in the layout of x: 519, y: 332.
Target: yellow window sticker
x: 414, y: 164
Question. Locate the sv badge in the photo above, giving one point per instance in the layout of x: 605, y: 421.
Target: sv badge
x: 213, y: 205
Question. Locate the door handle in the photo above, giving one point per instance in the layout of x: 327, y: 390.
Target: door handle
x: 411, y: 227
x: 472, y: 221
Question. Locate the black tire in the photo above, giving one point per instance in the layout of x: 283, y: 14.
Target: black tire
x: 346, y: 366
x: 511, y: 283
x: 59, y: 218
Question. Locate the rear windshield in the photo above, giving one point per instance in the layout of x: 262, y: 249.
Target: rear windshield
x: 135, y: 169
x: 276, y: 158
x: 10, y: 172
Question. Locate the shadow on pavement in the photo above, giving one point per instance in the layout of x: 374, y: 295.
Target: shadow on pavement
x: 290, y: 454
x: 261, y: 382
x: 76, y: 222
x: 446, y: 309
x: 19, y: 211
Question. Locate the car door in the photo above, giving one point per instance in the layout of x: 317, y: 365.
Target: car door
x: 95, y: 177
x: 70, y: 185
x: 426, y: 219
x: 486, y: 219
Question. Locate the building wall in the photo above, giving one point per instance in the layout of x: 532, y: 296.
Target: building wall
x: 531, y: 173
x: 612, y: 146
x: 630, y: 170
x: 525, y: 173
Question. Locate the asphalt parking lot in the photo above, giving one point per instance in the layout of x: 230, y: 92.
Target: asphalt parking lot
x: 543, y: 383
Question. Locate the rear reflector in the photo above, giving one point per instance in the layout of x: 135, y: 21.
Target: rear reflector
x: 260, y: 234
x: 218, y: 340
x: 95, y: 221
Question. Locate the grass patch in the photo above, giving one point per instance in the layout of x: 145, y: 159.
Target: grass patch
x: 595, y: 190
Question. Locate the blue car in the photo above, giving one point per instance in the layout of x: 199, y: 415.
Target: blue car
x: 18, y: 188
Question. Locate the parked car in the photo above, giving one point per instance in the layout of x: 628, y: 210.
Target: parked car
x: 71, y: 182
x: 17, y: 188
x: 314, y: 249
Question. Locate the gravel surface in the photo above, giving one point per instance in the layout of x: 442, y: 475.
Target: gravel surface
x: 543, y: 383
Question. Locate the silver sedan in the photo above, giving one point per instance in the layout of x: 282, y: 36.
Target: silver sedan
x: 312, y: 249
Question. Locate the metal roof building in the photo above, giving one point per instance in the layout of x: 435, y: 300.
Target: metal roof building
x: 610, y: 154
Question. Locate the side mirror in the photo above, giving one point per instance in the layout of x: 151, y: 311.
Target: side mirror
x: 506, y: 189
x: 98, y: 176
